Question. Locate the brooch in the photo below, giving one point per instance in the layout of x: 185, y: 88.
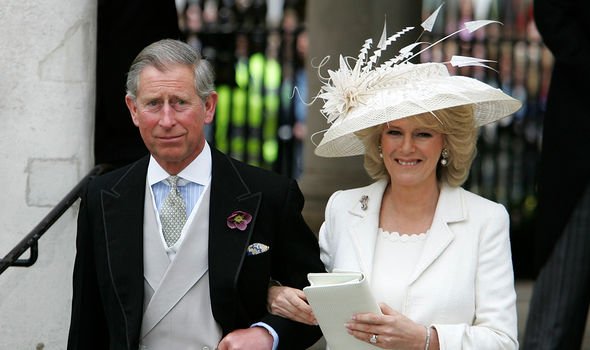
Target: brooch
x: 364, y: 200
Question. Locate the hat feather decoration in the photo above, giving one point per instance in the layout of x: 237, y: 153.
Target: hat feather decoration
x: 372, y: 93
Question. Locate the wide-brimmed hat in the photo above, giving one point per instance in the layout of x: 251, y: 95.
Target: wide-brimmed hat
x: 365, y: 96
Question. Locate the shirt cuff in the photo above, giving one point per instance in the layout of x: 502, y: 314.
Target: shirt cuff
x: 275, y: 336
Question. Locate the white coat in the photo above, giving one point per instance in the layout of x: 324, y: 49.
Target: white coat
x: 463, y: 284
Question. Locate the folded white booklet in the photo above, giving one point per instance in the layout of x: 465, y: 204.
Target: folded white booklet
x: 334, y: 298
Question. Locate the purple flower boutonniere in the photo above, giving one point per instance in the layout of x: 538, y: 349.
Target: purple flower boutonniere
x: 239, y: 219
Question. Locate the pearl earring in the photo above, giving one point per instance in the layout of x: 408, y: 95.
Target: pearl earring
x: 380, y: 151
x: 444, y: 161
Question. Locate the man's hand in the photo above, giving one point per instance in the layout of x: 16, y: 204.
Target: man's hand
x: 290, y: 303
x: 255, y: 338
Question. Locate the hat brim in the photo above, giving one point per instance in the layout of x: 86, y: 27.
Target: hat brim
x: 428, y: 95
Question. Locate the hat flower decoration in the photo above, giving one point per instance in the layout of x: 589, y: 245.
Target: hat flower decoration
x: 370, y: 93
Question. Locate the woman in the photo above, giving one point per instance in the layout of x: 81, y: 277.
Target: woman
x: 437, y: 256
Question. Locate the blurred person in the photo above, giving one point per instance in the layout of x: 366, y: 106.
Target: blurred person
x: 177, y: 250
x: 561, y: 295
x: 300, y: 108
x: 437, y: 257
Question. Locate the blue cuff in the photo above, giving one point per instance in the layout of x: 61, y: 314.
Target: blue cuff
x: 275, y: 336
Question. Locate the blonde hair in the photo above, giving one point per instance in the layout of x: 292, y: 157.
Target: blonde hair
x: 460, y: 138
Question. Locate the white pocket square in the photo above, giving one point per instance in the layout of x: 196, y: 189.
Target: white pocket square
x: 257, y: 248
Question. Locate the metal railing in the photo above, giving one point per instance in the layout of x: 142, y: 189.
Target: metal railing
x: 30, y: 242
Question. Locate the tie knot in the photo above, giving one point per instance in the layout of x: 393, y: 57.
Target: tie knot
x: 173, y: 181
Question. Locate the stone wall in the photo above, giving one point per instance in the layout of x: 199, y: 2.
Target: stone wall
x: 47, y: 65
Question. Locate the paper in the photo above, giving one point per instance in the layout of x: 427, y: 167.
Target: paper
x: 334, y: 298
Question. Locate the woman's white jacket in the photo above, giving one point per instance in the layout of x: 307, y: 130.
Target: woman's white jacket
x: 463, y: 284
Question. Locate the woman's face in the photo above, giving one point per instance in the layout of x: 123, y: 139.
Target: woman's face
x: 411, y: 153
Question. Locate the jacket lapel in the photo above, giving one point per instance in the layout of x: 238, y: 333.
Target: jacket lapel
x: 227, y: 247
x: 122, y: 207
x: 363, y: 231
x: 449, y: 209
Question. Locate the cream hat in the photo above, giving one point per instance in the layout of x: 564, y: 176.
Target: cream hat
x: 362, y: 97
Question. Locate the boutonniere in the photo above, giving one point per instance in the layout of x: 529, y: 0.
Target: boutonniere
x: 239, y: 219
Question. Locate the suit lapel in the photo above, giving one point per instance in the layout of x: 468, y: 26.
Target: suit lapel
x: 227, y: 247
x: 448, y: 209
x: 122, y: 207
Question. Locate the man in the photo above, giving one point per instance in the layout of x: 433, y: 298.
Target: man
x: 559, y: 305
x: 198, y: 280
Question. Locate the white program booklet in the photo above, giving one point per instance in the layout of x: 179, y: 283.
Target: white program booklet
x: 334, y: 298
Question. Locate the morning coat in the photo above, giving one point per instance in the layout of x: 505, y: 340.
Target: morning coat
x: 108, y: 276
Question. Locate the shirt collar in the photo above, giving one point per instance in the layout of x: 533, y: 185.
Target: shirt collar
x: 198, y: 171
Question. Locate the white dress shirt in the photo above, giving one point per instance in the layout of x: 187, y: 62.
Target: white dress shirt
x: 193, y: 180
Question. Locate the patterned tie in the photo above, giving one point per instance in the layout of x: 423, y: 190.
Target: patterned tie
x: 172, y: 213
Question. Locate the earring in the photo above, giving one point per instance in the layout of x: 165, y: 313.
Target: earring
x: 380, y: 151
x: 444, y: 160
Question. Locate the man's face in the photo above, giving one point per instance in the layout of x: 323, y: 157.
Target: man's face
x: 170, y: 115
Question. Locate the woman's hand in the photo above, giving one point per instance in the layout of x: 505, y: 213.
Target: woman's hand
x: 392, y: 330
x: 290, y: 303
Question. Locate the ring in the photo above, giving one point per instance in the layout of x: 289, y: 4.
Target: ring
x: 373, y: 339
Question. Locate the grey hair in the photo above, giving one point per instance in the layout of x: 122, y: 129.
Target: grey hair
x: 165, y: 53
